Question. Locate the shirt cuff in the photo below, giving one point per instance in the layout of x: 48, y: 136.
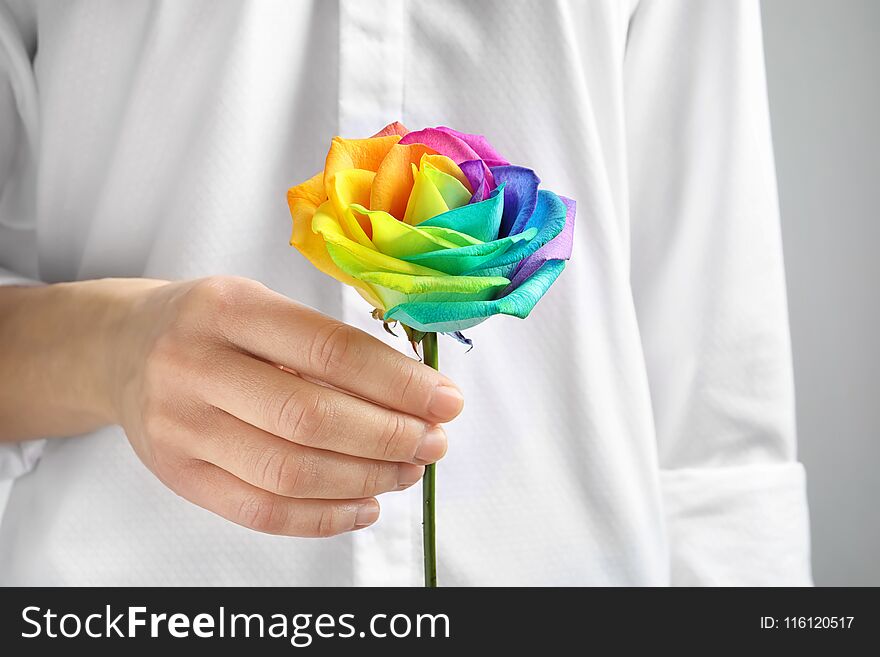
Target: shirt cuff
x: 11, y: 278
x: 17, y: 459
x: 738, y: 526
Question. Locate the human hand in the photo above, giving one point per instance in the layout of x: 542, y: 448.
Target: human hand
x: 269, y: 413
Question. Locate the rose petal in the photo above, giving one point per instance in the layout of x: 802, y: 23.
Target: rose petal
x: 454, y: 193
x: 475, y: 171
x: 357, y: 154
x: 480, y: 145
x: 459, y: 316
x: 396, y: 238
x: 312, y: 245
x: 351, y: 187
x: 548, y: 219
x: 354, y: 258
x: 479, y: 220
x: 446, y: 165
x: 393, y: 183
x: 464, y: 259
x: 449, y: 145
x: 396, y: 289
x: 558, y: 248
x: 396, y: 128
x: 434, y: 192
x: 520, y: 196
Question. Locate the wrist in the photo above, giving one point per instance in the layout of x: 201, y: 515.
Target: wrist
x: 117, y: 344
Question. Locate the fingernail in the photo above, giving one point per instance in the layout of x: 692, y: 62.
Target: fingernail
x: 446, y: 402
x: 408, y: 474
x: 433, y: 446
x: 366, y: 515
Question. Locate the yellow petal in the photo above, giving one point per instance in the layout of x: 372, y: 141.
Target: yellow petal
x: 359, y: 257
x: 447, y: 166
x: 324, y: 222
x: 348, y: 187
x: 425, y: 200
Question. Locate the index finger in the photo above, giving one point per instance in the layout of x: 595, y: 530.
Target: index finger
x: 282, y: 331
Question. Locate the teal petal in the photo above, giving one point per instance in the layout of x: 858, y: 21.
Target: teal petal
x: 480, y: 220
x: 461, y: 315
x: 548, y: 220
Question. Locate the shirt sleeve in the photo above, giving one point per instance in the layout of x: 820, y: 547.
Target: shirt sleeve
x: 18, y: 138
x: 709, y: 289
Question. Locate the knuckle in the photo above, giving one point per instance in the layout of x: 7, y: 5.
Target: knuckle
x: 328, y: 523
x: 261, y: 513
x: 156, y: 422
x: 396, y: 435
x: 373, y: 479
x: 219, y: 295
x: 302, y: 416
x: 169, y: 469
x: 410, y: 382
x: 167, y: 354
x: 333, y: 349
x: 287, y: 473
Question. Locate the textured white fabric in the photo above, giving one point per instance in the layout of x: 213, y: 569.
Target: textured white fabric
x: 636, y: 429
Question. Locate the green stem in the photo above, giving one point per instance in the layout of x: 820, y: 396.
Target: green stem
x: 429, y: 347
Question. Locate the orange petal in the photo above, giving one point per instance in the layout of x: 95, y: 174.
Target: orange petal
x: 304, y: 200
x: 394, y: 181
x: 357, y: 154
x: 396, y: 128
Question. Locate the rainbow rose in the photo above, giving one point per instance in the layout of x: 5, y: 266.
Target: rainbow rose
x: 433, y: 227
x: 437, y: 231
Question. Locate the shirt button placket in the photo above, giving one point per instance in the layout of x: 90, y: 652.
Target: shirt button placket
x: 371, y: 72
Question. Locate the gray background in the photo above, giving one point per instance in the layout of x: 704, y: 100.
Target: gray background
x: 823, y: 75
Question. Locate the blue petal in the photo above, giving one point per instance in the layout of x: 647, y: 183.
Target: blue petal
x: 548, y: 219
x: 520, y: 197
x: 460, y: 337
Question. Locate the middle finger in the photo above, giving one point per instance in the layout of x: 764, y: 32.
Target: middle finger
x: 312, y: 415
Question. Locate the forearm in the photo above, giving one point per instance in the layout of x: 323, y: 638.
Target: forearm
x: 60, y: 346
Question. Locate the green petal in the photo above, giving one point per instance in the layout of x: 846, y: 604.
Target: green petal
x: 462, y: 315
x: 396, y: 238
x: 465, y: 259
x: 480, y: 220
x: 458, y: 239
x: 396, y: 289
x: 453, y: 192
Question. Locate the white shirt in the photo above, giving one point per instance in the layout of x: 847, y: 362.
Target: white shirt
x: 636, y: 429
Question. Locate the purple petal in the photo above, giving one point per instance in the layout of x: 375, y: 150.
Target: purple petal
x: 559, y: 248
x: 475, y: 172
x: 444, y: 143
